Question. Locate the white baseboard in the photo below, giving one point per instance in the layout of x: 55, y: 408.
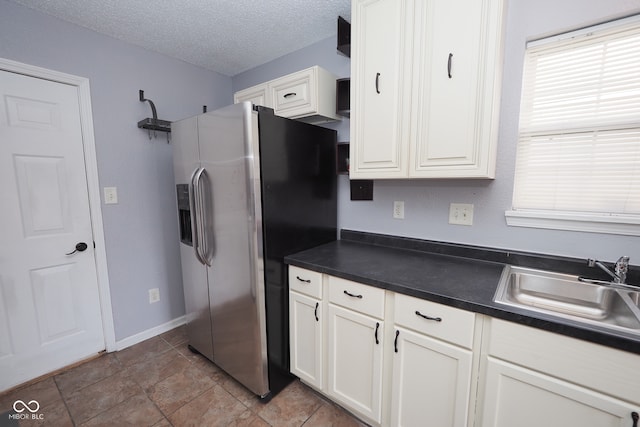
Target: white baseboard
x: 150, y: 333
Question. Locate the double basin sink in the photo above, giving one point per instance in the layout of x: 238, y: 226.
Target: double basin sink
x: 561, y: 295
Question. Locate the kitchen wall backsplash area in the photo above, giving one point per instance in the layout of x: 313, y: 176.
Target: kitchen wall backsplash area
x: 427, y: 202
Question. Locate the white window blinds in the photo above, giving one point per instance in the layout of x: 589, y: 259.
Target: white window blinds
x: 579, y: 138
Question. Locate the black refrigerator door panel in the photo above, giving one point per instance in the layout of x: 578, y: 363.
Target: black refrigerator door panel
x: 299, y: 185
x: 299, y: 203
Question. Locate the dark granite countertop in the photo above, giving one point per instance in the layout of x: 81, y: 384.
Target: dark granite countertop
x: 461, y: 276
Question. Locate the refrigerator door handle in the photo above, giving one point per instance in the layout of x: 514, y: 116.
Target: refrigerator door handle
x: 206, y: 242
x: 195, y: 212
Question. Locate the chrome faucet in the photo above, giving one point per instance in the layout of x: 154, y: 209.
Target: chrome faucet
x: 619, y: 274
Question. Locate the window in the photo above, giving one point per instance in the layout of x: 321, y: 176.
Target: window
x: 578, y: 156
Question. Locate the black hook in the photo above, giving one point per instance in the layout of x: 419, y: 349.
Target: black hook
x: 153, y: 107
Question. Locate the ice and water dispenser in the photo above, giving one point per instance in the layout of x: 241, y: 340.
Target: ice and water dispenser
x: 184, y: 214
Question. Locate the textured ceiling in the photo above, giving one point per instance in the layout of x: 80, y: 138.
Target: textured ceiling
x: 227, y: 36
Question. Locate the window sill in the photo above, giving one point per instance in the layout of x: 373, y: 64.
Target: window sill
x: 609, y: 224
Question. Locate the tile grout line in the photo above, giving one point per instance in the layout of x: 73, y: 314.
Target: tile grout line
x: 165, y: 416
x: 216, y: 382
x: 64, y: 401
x: 123, y: 367
x: 73, y: 420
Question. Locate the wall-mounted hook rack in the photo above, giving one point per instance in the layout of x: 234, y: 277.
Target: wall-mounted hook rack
x: 153, y: 123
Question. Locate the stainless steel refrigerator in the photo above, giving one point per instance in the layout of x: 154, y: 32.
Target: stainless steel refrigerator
x: 251, y: 188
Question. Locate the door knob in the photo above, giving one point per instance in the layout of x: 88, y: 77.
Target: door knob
x: 80, y: 247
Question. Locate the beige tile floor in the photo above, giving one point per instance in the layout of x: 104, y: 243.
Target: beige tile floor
x: 159, y: 382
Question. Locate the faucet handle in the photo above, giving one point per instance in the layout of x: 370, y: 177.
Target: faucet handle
x: 622, y: 267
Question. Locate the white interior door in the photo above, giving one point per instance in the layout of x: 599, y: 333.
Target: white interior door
x: 50, y: 313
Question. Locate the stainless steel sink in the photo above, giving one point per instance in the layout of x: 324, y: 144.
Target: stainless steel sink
x: 565, y: 296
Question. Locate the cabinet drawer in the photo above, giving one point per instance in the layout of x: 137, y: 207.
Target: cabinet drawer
x: 294, y: 94
x: 455, y: 325
x: 306, y: 282
x: 356, y: 296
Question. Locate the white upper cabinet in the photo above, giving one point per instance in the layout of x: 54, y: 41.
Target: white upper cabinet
x: 379, y: 105
x: 257, y: 95
x: 434, y: 112
x: 308, y: 95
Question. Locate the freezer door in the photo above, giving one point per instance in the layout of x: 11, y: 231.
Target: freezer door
x: 194, y: 274
x: 228, y: 141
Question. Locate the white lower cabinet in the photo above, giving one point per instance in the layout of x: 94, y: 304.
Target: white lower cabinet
x: 432, y: 364
x: 354, y: 361
x: 536, y: 378
x: 306, y: 335
x: 431, y: 382
x: 516, y: 396
x: 436, y: 365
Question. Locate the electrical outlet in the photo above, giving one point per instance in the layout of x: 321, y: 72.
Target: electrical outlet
x: 110, y: 195
x: 398, y: 210
x: 154, y: 295
x: 461, y: 213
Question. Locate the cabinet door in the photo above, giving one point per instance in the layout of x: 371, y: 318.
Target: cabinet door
x: 355, y: 361
x: 515, y: 396
x: 379, y: 116
x: 456, y: 88
x: 305, y: 330
x: 258, y: 95
x: 431, y: 382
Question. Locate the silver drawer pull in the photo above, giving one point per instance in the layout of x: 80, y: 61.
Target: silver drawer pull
x: 303, y: 280
x: 435, y: 319
x: 352, y: 295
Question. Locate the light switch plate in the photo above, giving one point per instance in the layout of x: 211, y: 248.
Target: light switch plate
x: 398, y: 210
x: 110, y: 195
x: 461, y: 213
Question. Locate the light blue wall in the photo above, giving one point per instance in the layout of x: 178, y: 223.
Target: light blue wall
x: 427, y: 201
x: 140, y: 231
